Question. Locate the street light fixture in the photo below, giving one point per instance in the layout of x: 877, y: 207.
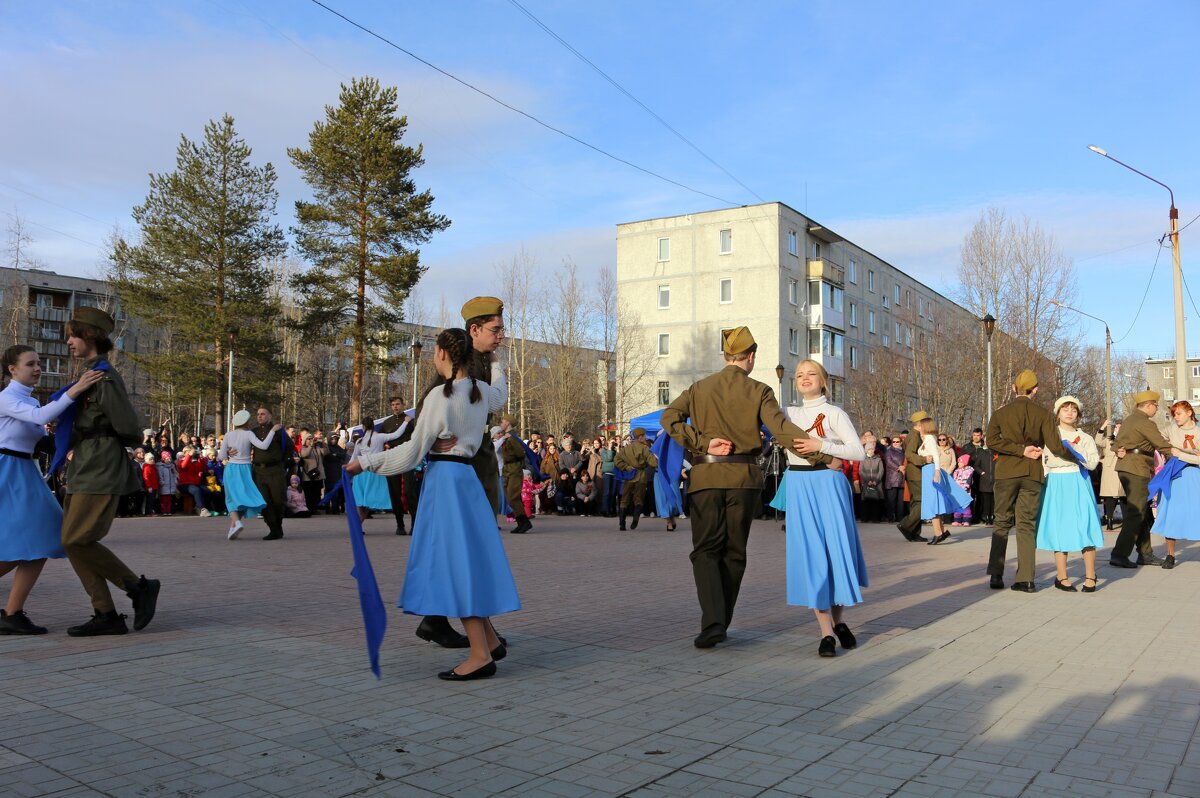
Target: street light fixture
x: 1180, y: 338
x: 989, y: 327
x: 232, y: 330
x: 1107, y: 355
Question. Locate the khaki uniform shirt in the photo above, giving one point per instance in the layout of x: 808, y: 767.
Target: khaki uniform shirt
x: 1138, y: 431
x: 729, y: 405
x: 913, y: 462
x: 99, y: 465
x: 1018, y: 424
x: 636, y: 457
x: 513, y: 455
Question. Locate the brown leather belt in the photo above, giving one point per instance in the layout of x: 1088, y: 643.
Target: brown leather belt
x: 726, y: 458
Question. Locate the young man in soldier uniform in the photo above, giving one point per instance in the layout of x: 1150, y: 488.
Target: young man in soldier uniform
x: 1136, y: 443
x: 395, y: 482
x: 271, y: 466
x: 635, y: 457
x: 98, y: 475
x: 910, y: 527
x: 726, y: 410
x: 514, y: 457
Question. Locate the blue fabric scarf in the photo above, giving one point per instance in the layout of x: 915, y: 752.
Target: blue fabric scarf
x: 1083, y: 472
x: 66, y: 422
x: 666, y: 478
x: 369, y: 598
x: 1162, y: 480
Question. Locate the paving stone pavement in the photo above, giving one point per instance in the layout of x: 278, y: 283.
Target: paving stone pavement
x: 253, y: 679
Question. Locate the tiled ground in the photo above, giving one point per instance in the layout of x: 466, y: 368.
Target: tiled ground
x: 253, y: 679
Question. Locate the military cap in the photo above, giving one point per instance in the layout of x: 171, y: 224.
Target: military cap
x: 1067, y: 400
x: 1026, y: 381
x: 95, y: 317
x: 241, y: 417
x: 638, y: 432
x: 918, y: 417
x: 482, y: 306
x: 1145, y: 396
x: 737, y: 340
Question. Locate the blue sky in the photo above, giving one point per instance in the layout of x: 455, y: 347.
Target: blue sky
x: 893, y: 124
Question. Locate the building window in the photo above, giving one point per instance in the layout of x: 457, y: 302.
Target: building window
x: 726, y: 290
x: 795, y: 398
x: 664, y: 249
x: 793, y: 292
x: 50, y: 330
x: 908, y: 337
x: 1196, y: 371
x: 897, y: 287
x: 854, y: 357
x: 721, y: 343
x: 664, y: 392
x: 871, y: 362
x: 1168, y: 372
x: 1169, y: 394
x: 852, y: 272
x: 814, y: 342
x: 792, y: 242
x: 1195, y: 394
x: 835, y: 391
x: 664, y: 297
x: 871, y: 280
x: 887, y: 303
x: 835, y: 296
x: 53, y: 365
x: 89, y: 301
x: 825, y: 342
x: 921, y: 306
x: 907, y: 298
x: 886, y: 341
x: 929, y: 309
x: 726, y: 242
x: 664, y: 344
x: 815, y: 249
x: 794, y: 341
x: 898, y: 339
x: 853, y: 315
x: 870, y: 321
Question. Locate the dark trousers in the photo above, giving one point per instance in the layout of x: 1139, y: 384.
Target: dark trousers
x: 87, y: 518
x: 893, y: 502
x: 395, y: 485
x: 1110, y: 509
x: 1136, y: 519
x: 338, y: 503
x: 1017, y: 503
x: 512, y: 495
x: 488, y: 471
x: 872, y: 511
x: 985, y: 506
x: 271, y: 482
x: 910, y: 525
x: 312, y: 493
x: 721, y: 519
x: 633, y: 497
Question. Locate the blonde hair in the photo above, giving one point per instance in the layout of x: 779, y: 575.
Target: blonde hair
x: 822, y: 374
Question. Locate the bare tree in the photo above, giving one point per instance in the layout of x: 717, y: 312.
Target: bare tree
x: 515, y: 278
x: 567, y: 392
x: 630, y: 361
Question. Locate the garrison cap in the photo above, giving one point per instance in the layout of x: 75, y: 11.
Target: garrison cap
x: 1026, y: 381
x: 482, y: 306
x: 1145, y: 396
x: 95, y: 317
x: 737, y: 340
x: 918, y: 417
x: 638, y: 432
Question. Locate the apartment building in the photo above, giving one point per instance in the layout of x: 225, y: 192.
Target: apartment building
x: 1160, y: 377
x: 802, y: 289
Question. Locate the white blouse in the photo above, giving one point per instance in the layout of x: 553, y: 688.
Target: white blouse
x: 242, y: 440
x: 838, y: 436
x: 1081, y: 442
x: 23, y: 418
x: 1178, y: 436
x: 374, y: 442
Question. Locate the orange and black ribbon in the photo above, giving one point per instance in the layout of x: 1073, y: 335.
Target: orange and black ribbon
x: 819, y: 426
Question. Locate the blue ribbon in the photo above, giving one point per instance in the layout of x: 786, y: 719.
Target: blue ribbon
x: 66, y: 422
x: 1083, y: 472
x: 1162, y: 480
x: 369, y: 598
x: 666, y: 479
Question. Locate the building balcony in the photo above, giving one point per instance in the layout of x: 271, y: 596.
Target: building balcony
x: 834, y: 366
x: 822, y: 269
x: 43, y: 313
x: 822, y: 316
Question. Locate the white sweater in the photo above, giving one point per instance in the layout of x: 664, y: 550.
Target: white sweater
x: 837, y: 435
x: 1178, y: 436
x: 242, y: 440
x: 374, y: 442
x: 1081, y: 442
x: 22, y: 417
x: 442, y: 417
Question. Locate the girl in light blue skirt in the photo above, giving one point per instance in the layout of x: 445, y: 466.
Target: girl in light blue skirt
x: 940, y: 494
x: 1068, y: 520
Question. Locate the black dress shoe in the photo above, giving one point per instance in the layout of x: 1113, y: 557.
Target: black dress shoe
x: 996, y: 583
x: 1121, y: 562
x: 273, y: 536
x: 1023, y: 587
x: 479, y: 673
x: 1169, y: 563
x: 942, y: 538
x: 1148, y: 559
x: 844, y: 636
x: 19, y: 624
x: 144, y: 594
x: 918, y: 538
x: 499, y: 652
x: 827, y: 647
x: 441, y: 632
x: 101, y: 623
x: 1064, y: 586
x: 712, y: 634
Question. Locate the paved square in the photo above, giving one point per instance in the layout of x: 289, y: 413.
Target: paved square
x: 253, y: 679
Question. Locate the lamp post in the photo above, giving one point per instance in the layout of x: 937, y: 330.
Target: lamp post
x: 1181, y: 380
x: 416, y: 355
x: 1107, y: 356
x: 233, y: 332
x: 779, y: 370
x: 989, y: 326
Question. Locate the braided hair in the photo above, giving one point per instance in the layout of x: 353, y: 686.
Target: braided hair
x: 455, y: 342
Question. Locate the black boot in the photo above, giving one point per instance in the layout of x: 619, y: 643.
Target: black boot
x: 144, y: 594
x: 621, y: 520
x: 101, y: 623
x: 436, y: 629
x: 633, y: 523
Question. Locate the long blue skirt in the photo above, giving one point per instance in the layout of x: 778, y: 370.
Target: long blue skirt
x: 32, y: 527
x: 241, y: 494
x: 1068, y: 520
x: 456, y: 563
x: 1179, y: 516
x: 941, y: 497
x: 371, y: 491
x: 825, y: 565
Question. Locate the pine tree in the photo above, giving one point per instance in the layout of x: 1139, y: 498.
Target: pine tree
x: 200, y: 271
x: 361, y: 230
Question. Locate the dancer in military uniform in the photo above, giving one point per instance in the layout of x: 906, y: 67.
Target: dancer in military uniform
x: 514, y: 457
x: 1136, y: 443
x: 914, y: 462
x: 1017, y: 433
x: 726, y: 410
x: 395, y: 482
x: 635, y: 457
x: 271, y: 466
x: 98, y: 475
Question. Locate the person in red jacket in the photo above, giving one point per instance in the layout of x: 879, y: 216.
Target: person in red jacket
x: 850, y: 469
x: 150, y: 477
x: 191, y: 474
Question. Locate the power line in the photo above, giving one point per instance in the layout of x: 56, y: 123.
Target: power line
x: 624, y: 91
x: 1144, y: 295
x: 1189, y: 224
x: 14, y: 217
x: 514, y: 109
x: 51, y: 202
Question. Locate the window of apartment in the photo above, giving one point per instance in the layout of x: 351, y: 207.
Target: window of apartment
x: 88, y: 301
x: 815, y: 250
x: 793, y: 292
x: 898, y: 338
x: 795, y: 397
x: 854, y: 357
x: 814, y: 294
x: 832, y: 343
x: 664, y: 392
x: 726, y: 242
x: 721, y: 341
x: 870, y: 321
x: 871, y: 280
x: 887, y: 303
x: 908, y: 337
x: 921, y: 306
x: 907, y: 298
x: 871, y: 362
x: 853, y: 315
x: 664, y: 297
x: 50, y: 330
x: 1168, y: 372
x: 726, y: 290
x: 43, y: 301
x: 53, y: 365
x: 792, y: 242
x: 897, y: 287
x: 929, y: 309
x: 814, y: 342
x: 1196, y: 371
x: 664, y: 249
x: 1196, y: 394
x: 1169, y: 394
x: 886, y: 340
x: 835, y: 297
x: 794, y: 341
x: 836, y: 390
x: 921, y: 340
x: 664, y: 344
x: 852, y: 272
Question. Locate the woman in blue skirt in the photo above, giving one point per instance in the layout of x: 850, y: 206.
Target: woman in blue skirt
x: 1068, y: 520
x: 32, y: 527
x: 940, y: 494
x: 825, y: 565
x: 1179, y: 512
x: 371, y: 490
x: 242, y: 497
x: 456, y: 563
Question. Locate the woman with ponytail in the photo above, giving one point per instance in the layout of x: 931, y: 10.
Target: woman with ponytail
x: 456, y: 564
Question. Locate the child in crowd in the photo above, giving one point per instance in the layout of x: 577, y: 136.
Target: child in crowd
x: 168, y: 483
x: 296, y: 506
x: 964, y: 475
x: 528, y: 491
x: 214, y: 494
x: 150, y: 478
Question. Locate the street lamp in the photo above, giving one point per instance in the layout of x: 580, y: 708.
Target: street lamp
x: 989, y: 327
x: 233, y: 333
x: 775, y: 465
x: 1107, y: 355
x: 416, y: 354
x: 779, y: 376
x: 1180, y: 342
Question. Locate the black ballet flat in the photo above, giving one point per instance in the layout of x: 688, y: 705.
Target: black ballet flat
x: 499, y: 652
x: 827, y: 647
x: 1087, y: 589
x: 845, y: 636
x: 942, y: 538
x: 479, y: 673
x: 1064, y: 586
